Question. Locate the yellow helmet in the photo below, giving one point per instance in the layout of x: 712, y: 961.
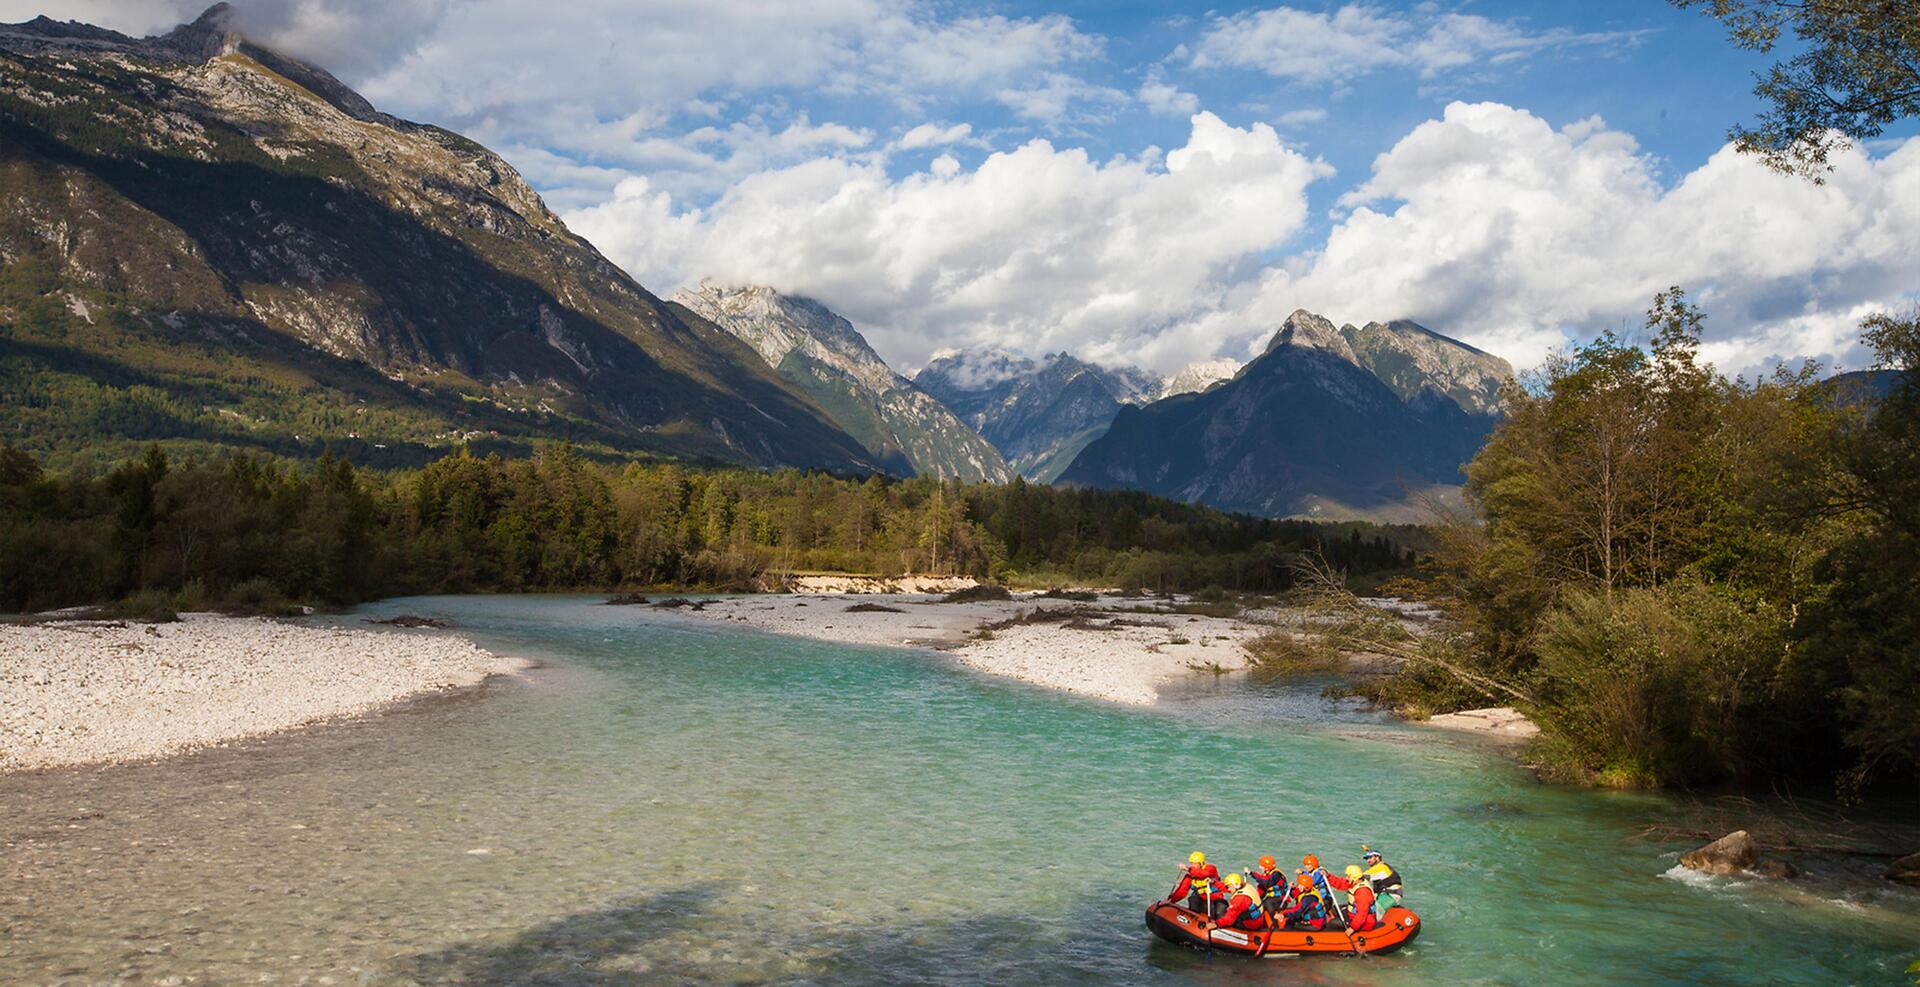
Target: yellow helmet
x: 1235, y: 880
x: 1196, y: 857
x: 1353, y: 873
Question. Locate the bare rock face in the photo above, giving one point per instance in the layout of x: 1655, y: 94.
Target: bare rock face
x: 905, y: 428
x: 1038, y: 414
x: 1730, y: 854
x: 1329, y: 422
x: 202, y: 191
x: 1906, y: 870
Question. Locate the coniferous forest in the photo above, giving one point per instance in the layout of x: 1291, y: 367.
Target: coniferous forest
x: 240, y: 531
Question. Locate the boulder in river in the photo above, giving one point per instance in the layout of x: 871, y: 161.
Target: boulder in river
x: 1906, y: 870
x: 1730, y: 854
x: 626, y: 600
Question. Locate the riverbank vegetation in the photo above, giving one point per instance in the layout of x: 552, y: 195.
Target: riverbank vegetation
x: 1688, y: 579
x: 238, y: 531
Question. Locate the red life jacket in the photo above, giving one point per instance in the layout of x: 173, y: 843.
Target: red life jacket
x: 1200, y: 879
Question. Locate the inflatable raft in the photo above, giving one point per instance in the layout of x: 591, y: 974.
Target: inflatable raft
x: 1189, y: 928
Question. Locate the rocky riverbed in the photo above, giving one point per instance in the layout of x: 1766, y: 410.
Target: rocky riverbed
x: 86, y: 692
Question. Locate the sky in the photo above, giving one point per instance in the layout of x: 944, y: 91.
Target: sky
x: 1145, y: 183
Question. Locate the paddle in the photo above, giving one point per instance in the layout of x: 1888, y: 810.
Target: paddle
x: 1320, y: 879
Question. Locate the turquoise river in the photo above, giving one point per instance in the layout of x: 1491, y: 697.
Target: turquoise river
x: 668, y: 801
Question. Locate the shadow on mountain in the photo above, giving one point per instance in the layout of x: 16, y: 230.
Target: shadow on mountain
x: 304, y: 235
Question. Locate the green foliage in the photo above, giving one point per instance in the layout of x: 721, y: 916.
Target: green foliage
x: 242, y: 532
x: 1857, y: 70
x: 1696, y: 579
x: 1282, y: 654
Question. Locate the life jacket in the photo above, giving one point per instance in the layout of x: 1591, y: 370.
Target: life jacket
x: 1270, y: 883
x: 1201, y: 878
x: 1362, y: 898
x: 1251, y: 892
x: 1383, y: 878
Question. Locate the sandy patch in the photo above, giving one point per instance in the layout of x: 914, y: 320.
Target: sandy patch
x: 1499, y: 722
x: 1128, y: 663
x: 84, y: 693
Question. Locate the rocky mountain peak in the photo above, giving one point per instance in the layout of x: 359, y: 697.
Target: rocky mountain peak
x: 1415, y: 361
x: 1199, y: 376
x: 777, y: 324
x: 821, y: 352
x: 1305, y: 330
x: 212, y: 34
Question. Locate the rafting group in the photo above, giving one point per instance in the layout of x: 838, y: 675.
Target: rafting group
x: 1260, y: 911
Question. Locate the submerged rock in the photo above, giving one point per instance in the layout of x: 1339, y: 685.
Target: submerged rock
x: 1779, y: 870
x: 1906, y: 870
x: 412, y: 620
x: 626, y: 600
x: 1730, y: 854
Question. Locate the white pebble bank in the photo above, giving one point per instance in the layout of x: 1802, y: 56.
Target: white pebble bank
x: 85, y: 693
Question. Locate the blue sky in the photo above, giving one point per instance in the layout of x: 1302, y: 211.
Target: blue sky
x: 1148, y: 183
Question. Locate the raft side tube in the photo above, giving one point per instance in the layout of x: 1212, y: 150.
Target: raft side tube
x: 1183, y: 926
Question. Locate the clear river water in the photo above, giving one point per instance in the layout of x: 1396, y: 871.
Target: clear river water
x: 675, y: 801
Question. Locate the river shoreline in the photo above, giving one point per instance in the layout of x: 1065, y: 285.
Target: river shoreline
x: 1116, y: 648
x: 89, y: 692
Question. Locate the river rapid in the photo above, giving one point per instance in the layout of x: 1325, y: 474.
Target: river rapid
x: 671, y: 801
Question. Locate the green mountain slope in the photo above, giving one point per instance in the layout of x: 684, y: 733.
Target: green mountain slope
x: 207, y: 242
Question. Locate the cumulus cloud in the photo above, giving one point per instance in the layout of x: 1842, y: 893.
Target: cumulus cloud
x: 1488, y: 224
x: 639, y: 91
x: 1039, y: 248
x: 1491, y: 225
x: 1163, y: 97
x: 932, y: 135
x: 1356, y: 39
x: 1062, y: 99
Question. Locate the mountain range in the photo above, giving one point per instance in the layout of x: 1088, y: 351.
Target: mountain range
x: 212, y: 244
x: 907, y: 430
x: 1038, y: 413
x: 1332, y: 422
x: 209, y: 241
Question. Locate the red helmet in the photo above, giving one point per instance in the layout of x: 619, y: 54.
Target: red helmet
x: 1303, y: 882
x: 1310, y: 862
x: 1267, y: 863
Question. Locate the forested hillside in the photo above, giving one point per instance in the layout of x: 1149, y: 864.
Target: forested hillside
x: 243, y: 532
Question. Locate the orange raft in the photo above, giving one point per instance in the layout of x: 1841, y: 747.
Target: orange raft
x: 1188, y: 928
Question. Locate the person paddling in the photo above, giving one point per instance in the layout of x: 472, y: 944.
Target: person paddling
x: 1199, y: 884
x: 1267, y: 878
x: 1361, y: 914
x: 1310, y: 910
x: 1243, y: 905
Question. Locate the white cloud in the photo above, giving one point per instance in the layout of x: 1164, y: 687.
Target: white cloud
x: 933, y: 135
x: 1037, y: 249
x: 1356, y: 39
x: 1062, y: 99
x: 645, y: 89
x: 1295, y: 118
x: 1491, y: 225
x: 1302, y: 44
x: 1163, y: 97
